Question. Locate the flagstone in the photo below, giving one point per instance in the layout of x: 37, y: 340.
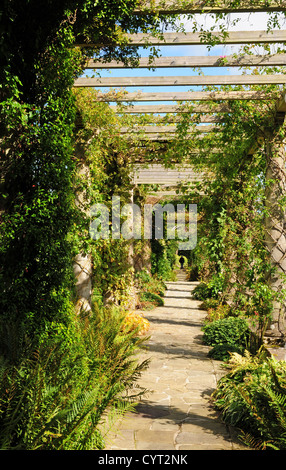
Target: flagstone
x: 176, y: 414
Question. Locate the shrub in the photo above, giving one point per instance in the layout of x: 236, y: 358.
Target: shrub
x: 227, y: 334
x: 221, y: 352
x: 136, y: 321
x: 151, y: 290
x: 218, y: 312
x: 209, y: 303
x: 252, y: 397
x: 151, y: 300
x: 203, y: 291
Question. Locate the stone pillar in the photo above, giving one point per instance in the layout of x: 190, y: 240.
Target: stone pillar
x: 82, y: 265
x: 275, y: 225
x: 132, y: 292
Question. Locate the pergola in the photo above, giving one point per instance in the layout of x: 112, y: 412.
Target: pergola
x: 168, y: 105
x: 160, y: 130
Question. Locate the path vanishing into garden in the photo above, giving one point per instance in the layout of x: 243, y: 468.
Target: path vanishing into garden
x: 176, y: 414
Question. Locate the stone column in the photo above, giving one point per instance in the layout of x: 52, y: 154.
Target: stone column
x: 275, y: 225
x: 131, y: 292
x: 82, y: 264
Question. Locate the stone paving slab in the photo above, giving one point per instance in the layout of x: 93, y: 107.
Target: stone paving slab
x: 176, y: 414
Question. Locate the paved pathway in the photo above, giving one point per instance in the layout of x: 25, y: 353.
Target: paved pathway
x: 176, y: 414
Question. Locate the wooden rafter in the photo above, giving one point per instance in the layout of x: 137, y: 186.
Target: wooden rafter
x: 194, y: 39
x: 164, y: 129
x: 163, y: 137
x: 181, y: 81
x: 175, y: 118
x: 197, y: 61
x: 186, y: 96
x: 168, y: 109
x: 156, y: 173
x: 167, y: 7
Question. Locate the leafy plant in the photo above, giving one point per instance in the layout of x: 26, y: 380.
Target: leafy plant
x: 227, y: 334
x: 151, y: 299
x: 151, y: 289
x: 136, y: 321
x: 203, y: 291
x: 252, y: 397
x: 218, y: 312
x: 59, y: 397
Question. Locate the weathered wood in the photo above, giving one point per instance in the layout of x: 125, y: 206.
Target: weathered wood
x: 156, y: 173
x: 181, y: 81
x: 164, y: 129
x: 167, y: 7
x: 166, y: 109
x: 160, y: 136
x: 196, y: 61
x: 153, y: 137
x: 193, y: 39
x: 186, y: 96
x: 281, y: 105
x: 175, y: 118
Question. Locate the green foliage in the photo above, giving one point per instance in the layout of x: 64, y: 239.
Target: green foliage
x: 252, y: 397
x: 59, y: 374
x: 227, y: 334
x: 146, y: 281
x: 231, y: 257
x: 203, y: 291
x: 210, y: 303
x: 150, y: 297
x: 57, y: 397
x: 151, y: 290
x: 217, y: 311
x: 221, y: 352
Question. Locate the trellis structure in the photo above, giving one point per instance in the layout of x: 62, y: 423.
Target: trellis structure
x: 160, y: 129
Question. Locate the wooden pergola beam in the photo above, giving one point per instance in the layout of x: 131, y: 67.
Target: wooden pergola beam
x: 167, y: 7
x: 165, y: 129
x: 159, y: 136
x: 157, y: 173
x: 186, y: 96
x: 175, y: 118
x: 194, y: 39
x: 196, y: 61
x: 198, y: 80
x: 167, y: 109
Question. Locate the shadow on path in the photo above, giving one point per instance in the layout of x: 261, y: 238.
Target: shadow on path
x: 177, y: 413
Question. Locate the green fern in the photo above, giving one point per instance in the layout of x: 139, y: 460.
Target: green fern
x: 252, y: 397
x: 57, y: 397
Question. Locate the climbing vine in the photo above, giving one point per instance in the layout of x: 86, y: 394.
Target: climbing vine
x: 232, y: 255
x: 45, y: 349
x: 61, y: 371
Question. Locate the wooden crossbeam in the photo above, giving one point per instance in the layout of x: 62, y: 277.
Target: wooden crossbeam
x: 164, y: 129
x: 181, y: 81
x: 186, y: 96
x: 157, y: 173
x: 158, y: 137
x: 175, y: 118
x: 196, y: 61
x: 166, y: 109
x: 194, y: 39
x: 167, y: 7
